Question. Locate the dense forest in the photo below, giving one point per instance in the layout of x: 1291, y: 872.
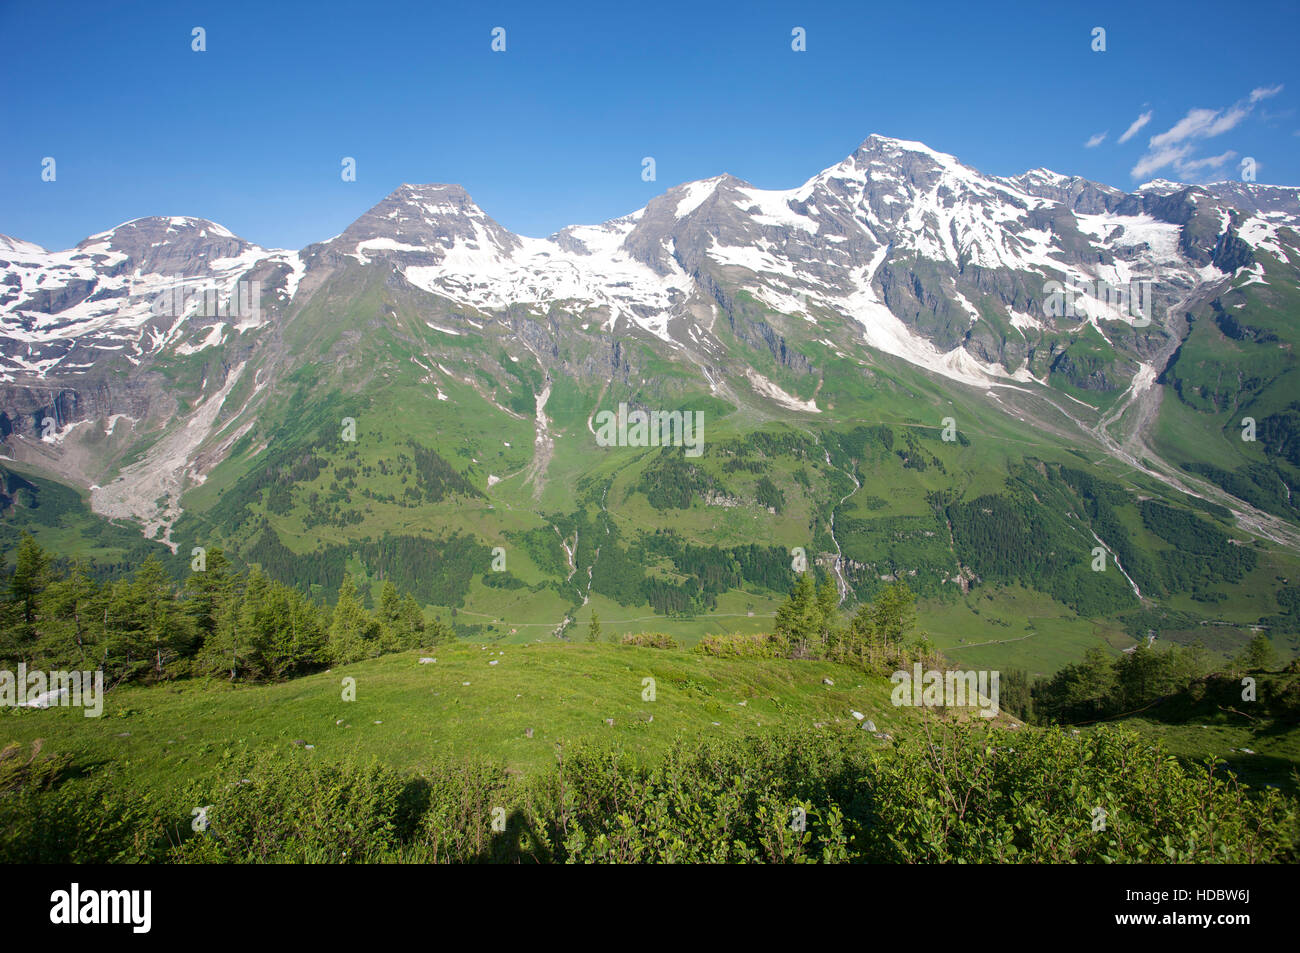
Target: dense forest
x: 434, y: 571
x: 1041, y: 532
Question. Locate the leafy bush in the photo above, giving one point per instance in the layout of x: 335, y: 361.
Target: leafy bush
x: 997, y: 796
x: 743, y: 645
x: 962, y: 793
x: 650, y: 640
x: 49, y: 816
x: 279, y: 810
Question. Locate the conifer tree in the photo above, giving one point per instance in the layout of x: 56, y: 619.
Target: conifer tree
x: 163, y: 628
x: 799, y: 618
x: 352, y: 631
x: 30, y: 577
x: 1258, y: 655
x: 828, y: 601
x: 73, y: 607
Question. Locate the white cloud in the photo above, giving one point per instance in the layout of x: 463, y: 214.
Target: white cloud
x: 1193, y: 125
x: 1137, y: 124
x: 1154, y: 161
x: 1096, y: 140
x: 1208, y: 162
x: 1174, y: 146
x: 1229, y: 120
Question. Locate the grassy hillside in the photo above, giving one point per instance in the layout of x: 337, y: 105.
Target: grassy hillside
x: 739, y: 757
x: 408, y: 714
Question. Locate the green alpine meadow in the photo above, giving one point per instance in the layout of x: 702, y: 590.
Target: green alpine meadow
x: 916, y: 510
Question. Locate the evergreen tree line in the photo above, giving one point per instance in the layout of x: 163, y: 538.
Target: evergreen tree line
x: 1103, y: 686
x: 709, y: 570
x: 244, y: 626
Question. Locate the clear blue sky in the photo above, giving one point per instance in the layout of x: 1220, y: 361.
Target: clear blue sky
x: 552, y: 131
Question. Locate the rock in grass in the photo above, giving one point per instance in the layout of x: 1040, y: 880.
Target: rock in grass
x: 426, y: 660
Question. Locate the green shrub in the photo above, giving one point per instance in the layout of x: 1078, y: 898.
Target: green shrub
x: 47, y: 815
x: 984, y: 795
x: 279, y: 809
x: 952, y: 794
x: 743, y: 645
x: 650, y: 640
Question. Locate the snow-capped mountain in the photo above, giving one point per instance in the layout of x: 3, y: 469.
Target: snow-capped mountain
x: 115, y: 293
x: 182, y: 327
x: 926, y: 254
x: 935, y: 262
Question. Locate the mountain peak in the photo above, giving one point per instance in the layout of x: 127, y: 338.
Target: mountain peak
x: 16, y: 246
x: 425, y: 220
x: 163, y: 244
x: 431, y: 191
x: 1047, y: 175
x: 686, y: 198
x: 1161, y: 186
x: 876, y: 144
x: 427, y: 201
x: 162, y: 225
